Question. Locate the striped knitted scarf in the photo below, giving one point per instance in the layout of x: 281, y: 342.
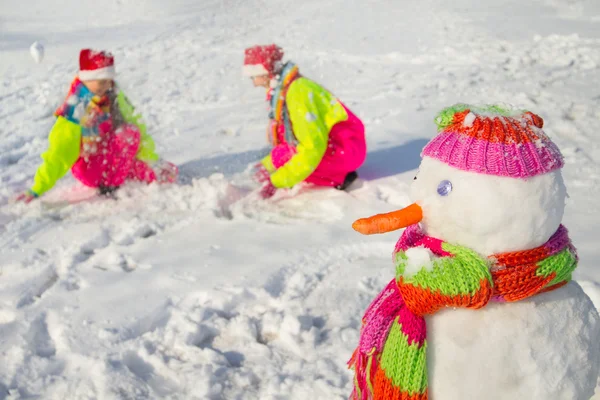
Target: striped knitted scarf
x: 92, y: 112
x: 281, y: 127
x: 89, y: 110
x: 84, y: 108
x: 390, y: 360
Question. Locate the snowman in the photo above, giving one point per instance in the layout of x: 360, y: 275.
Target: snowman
x: 482, y: 305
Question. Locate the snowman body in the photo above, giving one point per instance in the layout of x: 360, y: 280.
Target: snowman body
x: 541, y: 348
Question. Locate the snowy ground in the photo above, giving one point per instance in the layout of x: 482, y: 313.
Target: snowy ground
x: 181, y: 292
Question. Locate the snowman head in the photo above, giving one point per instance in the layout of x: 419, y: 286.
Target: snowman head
x: 490, y: 180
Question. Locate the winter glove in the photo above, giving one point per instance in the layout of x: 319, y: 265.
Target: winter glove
x: 26, y: 197
x: 165, y: 171
x: 261, y: 174
x: 268, y: 190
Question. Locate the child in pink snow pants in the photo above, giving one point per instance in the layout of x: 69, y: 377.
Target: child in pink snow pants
x: 346, y: 150
x: 98, y: 135
x: 315, y: 138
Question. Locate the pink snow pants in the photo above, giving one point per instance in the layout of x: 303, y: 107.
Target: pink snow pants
x: 114, y: 160
x: 346, y: 151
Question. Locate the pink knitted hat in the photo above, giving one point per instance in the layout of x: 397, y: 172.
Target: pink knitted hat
x: 493, y: 140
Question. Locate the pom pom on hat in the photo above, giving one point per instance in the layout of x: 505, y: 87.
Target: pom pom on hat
x: 495, y: 140
x: 262, y: 60
x: 95, y: 65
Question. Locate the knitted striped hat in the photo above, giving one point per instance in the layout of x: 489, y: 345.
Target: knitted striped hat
x: 493, y: 140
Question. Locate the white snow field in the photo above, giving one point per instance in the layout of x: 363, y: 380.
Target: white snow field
x: 198, y: 290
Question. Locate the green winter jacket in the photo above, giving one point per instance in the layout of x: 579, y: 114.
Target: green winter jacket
x: 313, y: 112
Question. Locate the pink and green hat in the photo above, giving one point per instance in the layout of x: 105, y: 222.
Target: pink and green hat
x: 493, y: 140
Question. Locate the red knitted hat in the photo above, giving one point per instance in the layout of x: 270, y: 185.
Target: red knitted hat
x: 96, y: 65
x: 262, y: 60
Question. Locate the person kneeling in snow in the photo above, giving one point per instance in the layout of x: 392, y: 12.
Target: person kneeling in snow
x: 98, y: 135
x: 315, y: 137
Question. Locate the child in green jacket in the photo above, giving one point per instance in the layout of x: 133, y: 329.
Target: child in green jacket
x: 315, y: 137
x: 98, y: 135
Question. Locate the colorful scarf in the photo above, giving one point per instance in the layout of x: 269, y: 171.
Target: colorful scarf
x: 390, y: 361
x: 91, y: 112
x: 280, y: 130
x: 84, y: 108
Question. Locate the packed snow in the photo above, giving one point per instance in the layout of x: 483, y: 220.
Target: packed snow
x: 503, y: 214
x: 202, y: 291
x: 498, y: 359
x: 37, y: 52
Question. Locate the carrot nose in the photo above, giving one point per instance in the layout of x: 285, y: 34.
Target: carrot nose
x: 382, y: 223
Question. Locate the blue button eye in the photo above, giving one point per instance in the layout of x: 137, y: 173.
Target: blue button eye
x: 444, y: 188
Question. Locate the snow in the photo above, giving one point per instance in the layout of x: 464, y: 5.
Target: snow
x: 37, y: 52
x: 199, y: 290
x: 497, y: 356
x: 418, y: 258
x: 469, y: 119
